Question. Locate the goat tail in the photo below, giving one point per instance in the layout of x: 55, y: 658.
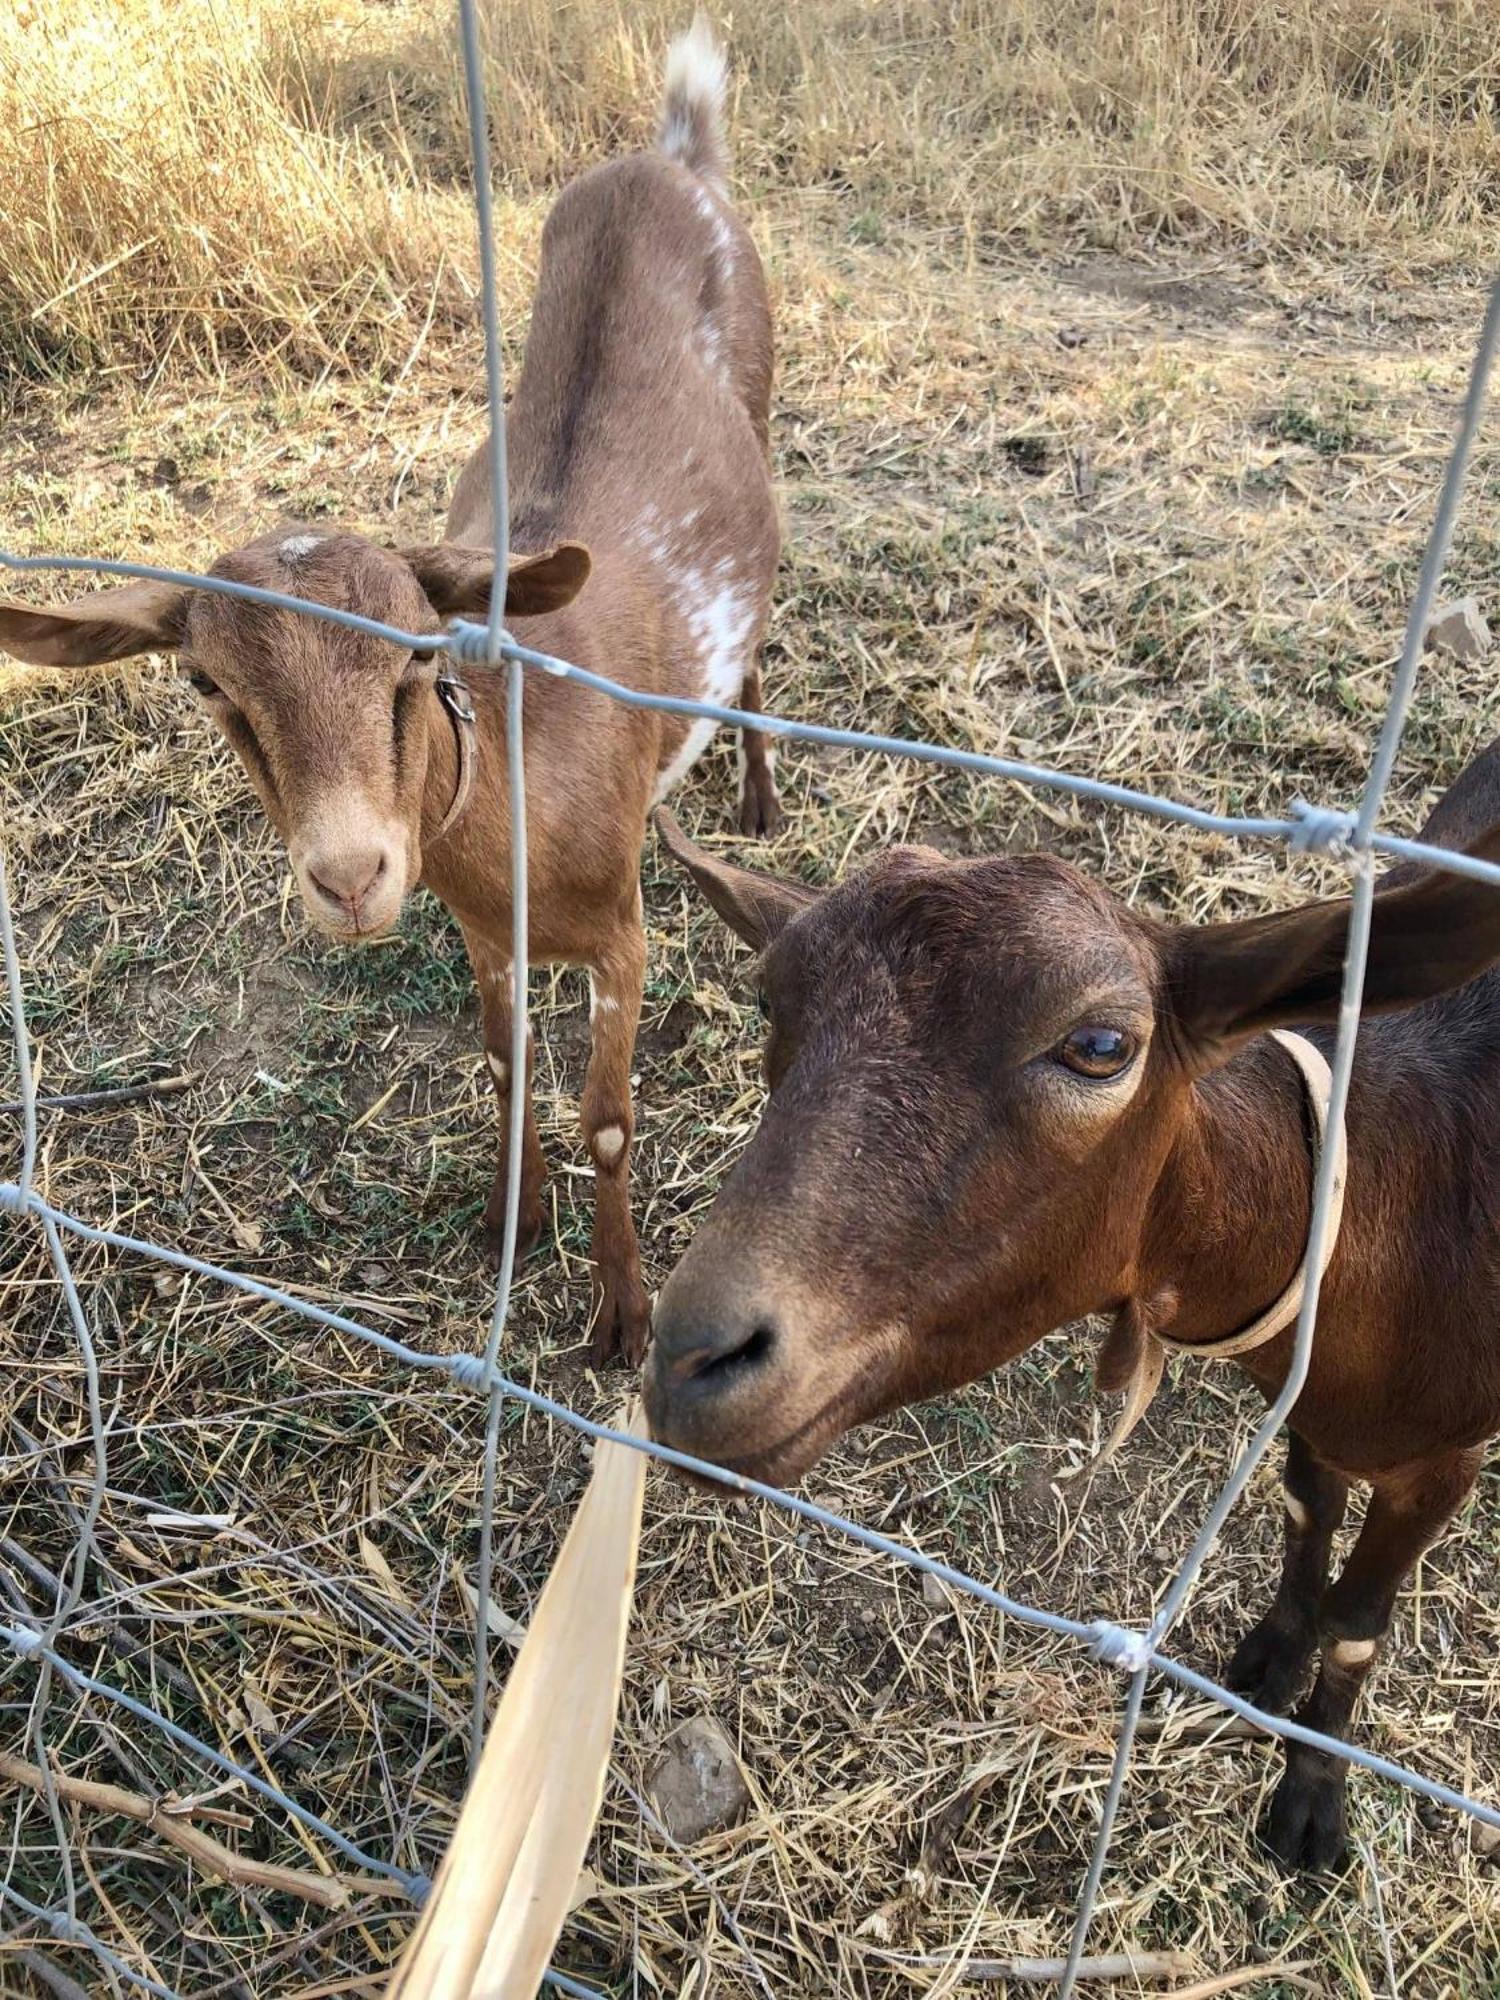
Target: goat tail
x: 692, y: 107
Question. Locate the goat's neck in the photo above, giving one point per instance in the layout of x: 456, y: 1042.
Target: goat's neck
x: 1227, y: 1225
x: 457, y: 867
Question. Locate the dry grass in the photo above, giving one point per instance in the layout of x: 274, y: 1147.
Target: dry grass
x: 1142, y: 509
x: 285, y: 178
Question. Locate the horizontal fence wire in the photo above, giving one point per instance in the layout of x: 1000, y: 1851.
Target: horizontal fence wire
x: 1306, y: 828
x: 1351, y: 836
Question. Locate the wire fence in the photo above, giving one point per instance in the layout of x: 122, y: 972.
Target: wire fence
x: 1354, y: 837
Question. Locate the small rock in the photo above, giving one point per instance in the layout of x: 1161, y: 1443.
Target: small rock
x: 1459, y: 630
x: 697, y: 1785
x: 935, y: 1593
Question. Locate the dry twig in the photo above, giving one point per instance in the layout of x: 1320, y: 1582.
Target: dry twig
x: 329, y: 1892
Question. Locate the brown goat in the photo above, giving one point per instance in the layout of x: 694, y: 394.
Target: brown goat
x: 1001, y: 1101
x: 638, y: 462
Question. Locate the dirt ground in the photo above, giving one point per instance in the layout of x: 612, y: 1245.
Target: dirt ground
x: 1153, y: 518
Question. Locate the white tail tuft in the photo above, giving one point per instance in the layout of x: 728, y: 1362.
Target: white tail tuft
x: 692, y: 109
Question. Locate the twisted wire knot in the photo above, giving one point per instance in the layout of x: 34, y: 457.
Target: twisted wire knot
x: 21, y: 1640
x: 470, y: 643
x: 1117, y: 1646
x: 1321, y: 830
x: 469, y: 1371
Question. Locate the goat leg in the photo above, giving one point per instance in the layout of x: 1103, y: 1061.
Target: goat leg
x: 1305, y: 1827
x: 622, y: 1312
x: 760, y: 809
x: 492, y: 971
x: 1270, y: 1662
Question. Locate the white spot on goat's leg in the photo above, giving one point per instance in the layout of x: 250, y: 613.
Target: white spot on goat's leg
x: 600, y: 1003
x: 1296, y: 1513
x: 607, y: 1144
x: 1353, y: 1652
x: 499, y: 1068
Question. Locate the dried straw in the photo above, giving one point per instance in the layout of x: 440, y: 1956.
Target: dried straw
x: 506, y: 1884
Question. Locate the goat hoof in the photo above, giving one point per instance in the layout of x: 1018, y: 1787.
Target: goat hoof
x: 622, y: 1321
x: 1268, y: 1667
x: 1305, y: 1829
x: 760, y: 812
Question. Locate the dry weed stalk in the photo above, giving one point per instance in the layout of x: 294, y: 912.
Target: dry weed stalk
x: 164, y: 1817
x: 507, y: 1881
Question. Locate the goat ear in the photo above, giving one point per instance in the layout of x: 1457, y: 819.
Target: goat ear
x: 756, y: 907
x: 1430, y: 932
x: 546, y: 582
x: 457, y: 579
x: 141, y: 617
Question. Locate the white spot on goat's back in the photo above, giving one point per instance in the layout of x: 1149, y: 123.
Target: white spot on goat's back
x: 718, y: 608
x: 652, y: 536
x: 713, y: 214
x: 721, y: 252
x: 295, y: 547
x: 719, y: 612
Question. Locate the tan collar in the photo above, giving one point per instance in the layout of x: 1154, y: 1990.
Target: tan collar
x: 458, y: 705
x: 1153, y: 1347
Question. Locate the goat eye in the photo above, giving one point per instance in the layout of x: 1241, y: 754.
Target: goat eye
x: 1096, y: 1052
x: 200, y: 683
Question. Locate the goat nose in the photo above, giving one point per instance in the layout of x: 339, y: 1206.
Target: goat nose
x: 713, y: 1357
x: 347, y: 877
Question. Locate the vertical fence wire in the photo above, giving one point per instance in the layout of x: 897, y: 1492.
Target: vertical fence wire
x: 1355, y: 835
x: 70, y: 1588
x: 494, y: 375
x: 68, y: 1592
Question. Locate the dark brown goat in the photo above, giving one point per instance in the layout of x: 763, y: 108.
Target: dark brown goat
x: 638, y: 460
x: 1001, y: 1101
